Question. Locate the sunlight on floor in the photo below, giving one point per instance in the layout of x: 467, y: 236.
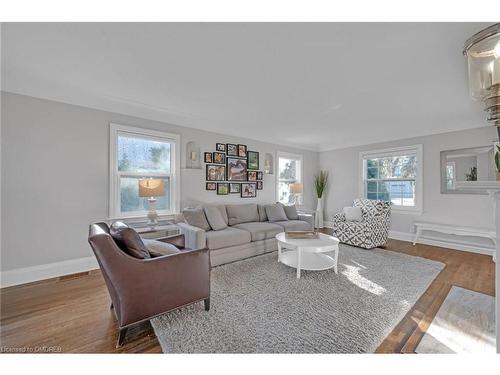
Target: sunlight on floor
x: 352, y: 274
x: 452, y: 340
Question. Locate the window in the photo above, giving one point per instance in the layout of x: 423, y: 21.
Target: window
x: 289, y: 172
x: 393, y: 175
x: 450, y: 175
x: 136, y: 154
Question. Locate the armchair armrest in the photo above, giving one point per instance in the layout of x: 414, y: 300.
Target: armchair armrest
x: 338, y: 218
x: 307, y: 218
x: 148, y: 287
x: 177, y: 240
x: 194, y: 237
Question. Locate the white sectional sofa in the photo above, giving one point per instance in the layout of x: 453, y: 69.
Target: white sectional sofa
x: 245, y: 230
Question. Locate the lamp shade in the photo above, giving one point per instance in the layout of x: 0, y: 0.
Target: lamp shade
x: 296, y: 188
x: 151, y: 188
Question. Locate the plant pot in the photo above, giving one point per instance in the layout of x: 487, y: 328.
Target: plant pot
x: 319, y: 214
x: 498, y: 176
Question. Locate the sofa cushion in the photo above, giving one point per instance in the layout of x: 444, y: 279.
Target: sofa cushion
x: 242, y: 213
x: 217, y: 239
x: 159, y: 248
x: 214, y: 217
x: 262, y: 212
x: 260, y: 231
x: 294, y: 225
x: 128, y: 240
x: 222, y: 209
x: 291, y: 212
x: 275, y: 212
x: 196, y: 217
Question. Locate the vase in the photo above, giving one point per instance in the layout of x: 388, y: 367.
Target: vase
x: 498, y: 176
x: 319, y: 213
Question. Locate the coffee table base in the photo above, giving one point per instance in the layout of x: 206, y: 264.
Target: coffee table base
x: 308, y: 261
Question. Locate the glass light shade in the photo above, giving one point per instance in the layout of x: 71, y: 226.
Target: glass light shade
x: 483, y: 58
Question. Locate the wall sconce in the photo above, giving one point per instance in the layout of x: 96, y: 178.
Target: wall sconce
x: 483, y: 58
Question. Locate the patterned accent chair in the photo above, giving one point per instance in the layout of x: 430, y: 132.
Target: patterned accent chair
x: 369, y: 233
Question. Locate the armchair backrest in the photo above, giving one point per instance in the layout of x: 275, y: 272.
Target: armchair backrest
x: 373, y: 208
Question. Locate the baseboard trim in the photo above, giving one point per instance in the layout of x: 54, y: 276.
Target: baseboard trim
x: 425, y: 239
x: 46, y: 271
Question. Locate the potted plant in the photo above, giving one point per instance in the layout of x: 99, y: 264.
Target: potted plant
x: 320, y: 182
x: 497, y: 159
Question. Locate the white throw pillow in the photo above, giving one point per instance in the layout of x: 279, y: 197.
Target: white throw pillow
x: 353, y: 214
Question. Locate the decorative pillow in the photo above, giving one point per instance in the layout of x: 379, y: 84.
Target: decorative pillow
x: 242, y: 213
x: 291, y: 212
x: 128, y: 240
x: 159, y: 248
x: 196, y: 217
x: 215, y: 218
x: 262, y: 212
x: 353, y: 214
x: 275, y: 212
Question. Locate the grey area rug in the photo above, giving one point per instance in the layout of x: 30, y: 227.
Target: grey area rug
x: 465, y: 323
x: 258, y: 305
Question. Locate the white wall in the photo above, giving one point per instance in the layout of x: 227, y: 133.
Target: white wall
x: 458, y: 209
x: 55, y: 176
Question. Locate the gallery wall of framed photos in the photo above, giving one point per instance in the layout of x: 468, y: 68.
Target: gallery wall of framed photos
x: 232, y: 169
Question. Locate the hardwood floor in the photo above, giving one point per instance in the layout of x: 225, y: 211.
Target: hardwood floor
x: 73, y: 314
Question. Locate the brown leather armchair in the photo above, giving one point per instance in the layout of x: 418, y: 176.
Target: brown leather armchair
x: 141, y: 289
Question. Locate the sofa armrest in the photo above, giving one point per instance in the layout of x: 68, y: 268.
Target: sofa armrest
x: 308, y: 219
x: 194, y: 237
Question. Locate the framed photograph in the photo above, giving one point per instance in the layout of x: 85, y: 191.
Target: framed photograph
x: 216, y: 172
x: 260, y: 175
x: 221, y: 147
x: 234, y: 188
x: 259, y: 185
x: 248, y: 190
x: 208, y: 157
x: 211, y: 186
x: 222, y: 188
x: 236, y: 169
x: 242, y: 151
x: 231, y: 150
x: 219, y: 158
x: 253, y: 160
x: 252, y: 176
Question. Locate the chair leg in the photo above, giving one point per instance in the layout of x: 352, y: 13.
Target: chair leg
x: 207, y: 303
x: 121, y: 336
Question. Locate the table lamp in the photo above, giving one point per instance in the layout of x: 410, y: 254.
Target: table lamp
x: 151, y: 188
x: 296, y: 190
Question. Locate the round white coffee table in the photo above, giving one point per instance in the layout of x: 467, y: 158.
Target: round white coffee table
x: 308, y: 254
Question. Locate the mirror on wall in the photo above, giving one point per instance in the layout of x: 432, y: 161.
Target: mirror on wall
x: 466, y: 164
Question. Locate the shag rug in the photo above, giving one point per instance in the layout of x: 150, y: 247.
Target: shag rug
x: 259, y: 306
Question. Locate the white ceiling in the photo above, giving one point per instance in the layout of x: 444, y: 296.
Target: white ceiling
x: 316, y: 86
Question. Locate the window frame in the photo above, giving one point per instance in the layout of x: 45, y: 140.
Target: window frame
x: 115, y: 130
x: 288, y: 155
x: 395, y: 151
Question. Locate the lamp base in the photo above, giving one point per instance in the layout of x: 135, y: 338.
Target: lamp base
x: 152, y: 215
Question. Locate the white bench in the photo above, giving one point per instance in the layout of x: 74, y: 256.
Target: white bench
x: 453, y: 229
